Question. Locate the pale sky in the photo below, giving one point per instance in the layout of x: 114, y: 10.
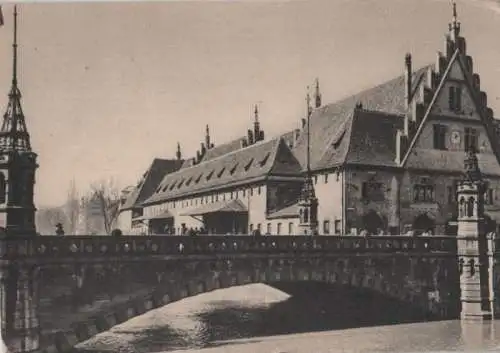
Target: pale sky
x: 109, y: 86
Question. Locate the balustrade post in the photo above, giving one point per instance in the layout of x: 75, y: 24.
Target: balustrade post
x: 19, y: 308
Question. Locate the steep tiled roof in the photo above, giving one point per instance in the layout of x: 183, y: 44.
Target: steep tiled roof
x: 223, y: 149
x: 331, y: 124
x: 262, y: 159
x: 148, y: 184
x: 373, y: 139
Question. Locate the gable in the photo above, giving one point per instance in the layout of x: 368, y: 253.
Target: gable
x: 452, y: 121
x: 455, y: 98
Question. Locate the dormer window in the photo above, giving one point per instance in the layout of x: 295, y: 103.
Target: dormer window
x: 264, y: 160
x: 249, y: 164
x: 455, y: 98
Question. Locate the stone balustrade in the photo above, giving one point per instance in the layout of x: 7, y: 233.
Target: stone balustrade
x: 85, y: 247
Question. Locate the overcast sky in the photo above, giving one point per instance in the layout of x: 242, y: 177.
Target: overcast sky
x: 109, y: 86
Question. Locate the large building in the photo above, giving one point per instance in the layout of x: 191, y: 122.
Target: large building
x: 384, y: 160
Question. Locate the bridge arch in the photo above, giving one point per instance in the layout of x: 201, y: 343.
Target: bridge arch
x: 423, y: 282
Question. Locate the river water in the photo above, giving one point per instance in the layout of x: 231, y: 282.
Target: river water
x: 264, y: 319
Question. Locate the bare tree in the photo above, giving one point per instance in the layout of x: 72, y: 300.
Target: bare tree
x: 72, y: 209
x: 106, y: 195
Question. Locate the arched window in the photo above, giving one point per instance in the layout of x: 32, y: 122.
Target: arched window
x: 470, y: 207
x: 3, y: 187
x: 472, y: 268
x: 461, y: 207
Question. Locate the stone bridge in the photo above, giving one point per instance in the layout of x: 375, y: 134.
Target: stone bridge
x: 59, y: 291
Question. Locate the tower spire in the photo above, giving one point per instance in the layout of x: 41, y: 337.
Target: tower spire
x: 208, y: 143
x: 308, y: 203
x: 14, y: 134
x: 14, y: 50
x: 454, y: 26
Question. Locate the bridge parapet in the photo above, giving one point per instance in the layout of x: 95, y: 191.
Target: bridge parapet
x: 85, y: 247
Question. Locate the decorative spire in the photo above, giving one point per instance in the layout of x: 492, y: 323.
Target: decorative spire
x: 178, y: 153
x: 454, y: 26
x: 317, y: 95
x: 14, y: 50
x: 14, y: 134
x: 256, y: 114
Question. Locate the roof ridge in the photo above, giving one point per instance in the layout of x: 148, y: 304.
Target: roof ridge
x: 229, y: 153
x: 369, y: 88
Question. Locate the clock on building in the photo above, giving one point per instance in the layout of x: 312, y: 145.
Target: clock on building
x: 455, y: 137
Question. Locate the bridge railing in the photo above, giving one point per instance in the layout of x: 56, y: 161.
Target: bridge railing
x: 130, y: 246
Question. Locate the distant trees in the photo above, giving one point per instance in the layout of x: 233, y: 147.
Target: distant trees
x: 107, y: 196
x: 93, y: 211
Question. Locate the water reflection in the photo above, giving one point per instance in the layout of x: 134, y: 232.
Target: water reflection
x: 255, y: 318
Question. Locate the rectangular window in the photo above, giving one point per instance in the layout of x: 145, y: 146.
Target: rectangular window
x: 326, y: 227
x: 258, y: 190
x: 439, y: 137
x: 278, y: 229
x: 315, y: 179
x: 338, y: 225
x: 471, y: 139
x: 250, y: 228
x: 259, y: 227
x: 423, y: 193
x: 326, y: 178
x: 290, y: 228
x: 455, y: 98
x: 269, y: 228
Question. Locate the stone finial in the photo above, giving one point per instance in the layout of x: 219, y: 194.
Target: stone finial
x: 471, y: 166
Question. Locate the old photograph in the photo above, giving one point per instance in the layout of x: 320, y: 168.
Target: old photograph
x: 275, y: 176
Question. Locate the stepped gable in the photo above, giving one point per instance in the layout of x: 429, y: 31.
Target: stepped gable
x: 250, y: 164
x: 150, y: 180
x: 332, y: 125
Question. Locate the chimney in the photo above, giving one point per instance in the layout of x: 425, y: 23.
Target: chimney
x: 178, y: 153
x: 250, y: 137
x: 408, y: 76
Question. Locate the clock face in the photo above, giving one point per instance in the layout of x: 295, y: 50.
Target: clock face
x: 455, y: 137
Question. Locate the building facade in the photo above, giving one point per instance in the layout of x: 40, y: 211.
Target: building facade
x: 386, y: 160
